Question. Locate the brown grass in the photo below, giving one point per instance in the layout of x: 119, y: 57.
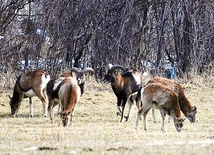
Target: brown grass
x: 96, y: 128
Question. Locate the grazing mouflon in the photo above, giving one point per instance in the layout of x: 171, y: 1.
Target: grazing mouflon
x: 188, y: 110
x: 30, y: 84
x: 54, y: 85
x: 156, y: 95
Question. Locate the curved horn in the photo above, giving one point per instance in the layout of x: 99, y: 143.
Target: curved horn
x: 75, y: 69
x: 116, y: 67
x: 193, y: 108
x: 88, y: 70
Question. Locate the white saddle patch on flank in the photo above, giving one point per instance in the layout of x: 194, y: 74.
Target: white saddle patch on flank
x: 137, y: 78
x: 57, y: 82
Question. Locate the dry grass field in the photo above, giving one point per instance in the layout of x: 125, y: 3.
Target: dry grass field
x: 96, y: 128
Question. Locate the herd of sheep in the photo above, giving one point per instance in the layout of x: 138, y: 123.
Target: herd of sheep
x: 128, y: 85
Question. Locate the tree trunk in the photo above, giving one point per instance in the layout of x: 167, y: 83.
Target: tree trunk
x: 186, y: 44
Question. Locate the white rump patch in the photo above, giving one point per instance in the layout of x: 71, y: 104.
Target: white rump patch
x: 57, y: 82
x: 45, y: 79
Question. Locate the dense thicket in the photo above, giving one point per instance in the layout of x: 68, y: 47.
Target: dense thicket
x: 142, y: 34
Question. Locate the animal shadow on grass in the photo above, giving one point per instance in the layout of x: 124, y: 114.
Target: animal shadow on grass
x: 8, y: 115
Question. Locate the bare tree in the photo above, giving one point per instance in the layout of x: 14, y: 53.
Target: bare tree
x: 57, y: 35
